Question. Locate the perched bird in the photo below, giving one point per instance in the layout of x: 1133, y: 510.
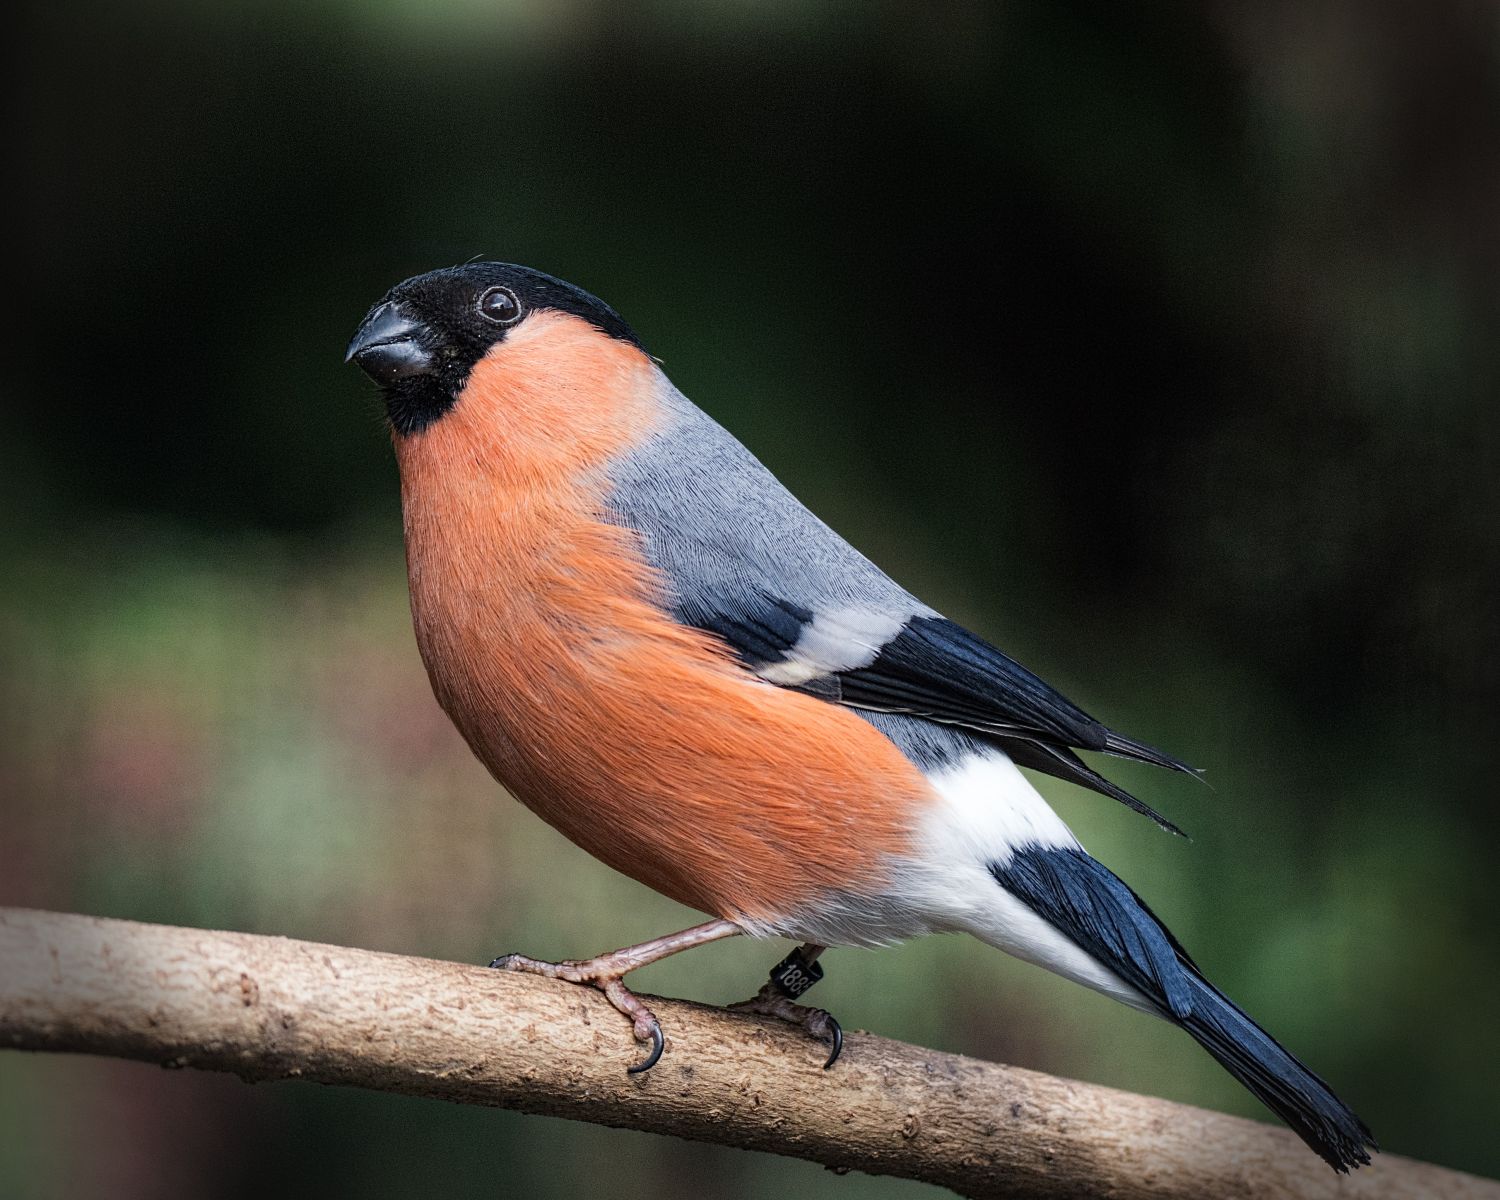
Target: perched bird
x: 654, y: 646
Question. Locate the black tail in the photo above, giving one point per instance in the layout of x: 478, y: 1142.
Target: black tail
x: 1276, y: 1078
x: 1097, y: 911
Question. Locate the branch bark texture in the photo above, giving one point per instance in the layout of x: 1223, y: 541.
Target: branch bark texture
x: 270, y: 1008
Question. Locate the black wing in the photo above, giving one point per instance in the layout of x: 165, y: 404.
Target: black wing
x: 925, y: 666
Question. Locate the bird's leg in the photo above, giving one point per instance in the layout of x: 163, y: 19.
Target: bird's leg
x: 790, y: 978
x: 608, y: 970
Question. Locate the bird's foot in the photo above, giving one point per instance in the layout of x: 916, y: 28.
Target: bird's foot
x: 609, y: 970
x: 790, y: 978
x: 605, y: 973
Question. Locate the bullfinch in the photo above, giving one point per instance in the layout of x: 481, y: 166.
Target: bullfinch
x: 655, y: 647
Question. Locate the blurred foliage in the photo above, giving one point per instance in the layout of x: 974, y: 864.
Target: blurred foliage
x: 1159, y: 344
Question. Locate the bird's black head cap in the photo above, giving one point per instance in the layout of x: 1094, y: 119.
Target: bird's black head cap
x: 422, y: 340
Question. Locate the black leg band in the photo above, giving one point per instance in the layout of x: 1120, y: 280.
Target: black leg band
x: 793, y: 975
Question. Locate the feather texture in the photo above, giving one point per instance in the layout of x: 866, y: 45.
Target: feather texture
x: 1090, y: 905
x: 746, y: 562
x: 548, y: 641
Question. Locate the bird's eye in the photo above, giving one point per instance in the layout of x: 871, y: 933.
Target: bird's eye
x: 500, y: 305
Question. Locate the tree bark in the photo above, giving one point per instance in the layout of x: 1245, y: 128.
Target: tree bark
x: 271, y: 1008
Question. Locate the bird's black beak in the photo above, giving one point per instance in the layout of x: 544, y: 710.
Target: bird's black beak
x: 389, y: 346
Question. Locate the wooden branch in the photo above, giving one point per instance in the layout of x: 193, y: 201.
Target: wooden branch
x: 270, y: 1008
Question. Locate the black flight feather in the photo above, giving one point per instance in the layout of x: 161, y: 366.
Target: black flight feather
x: 936, y: 669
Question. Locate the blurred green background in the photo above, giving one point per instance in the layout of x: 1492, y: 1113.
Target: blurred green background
x: 1157, y: 343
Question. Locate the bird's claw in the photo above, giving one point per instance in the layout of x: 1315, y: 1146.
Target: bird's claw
x: 604, y: 974
x: 835, y: 1036
x: 790, y: 978
x: 819, y: 1023
x: 658, y: 1044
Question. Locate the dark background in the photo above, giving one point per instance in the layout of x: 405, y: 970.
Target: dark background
x: 1158, y: 345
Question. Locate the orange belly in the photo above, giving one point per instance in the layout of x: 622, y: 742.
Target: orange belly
x: 547, y: 642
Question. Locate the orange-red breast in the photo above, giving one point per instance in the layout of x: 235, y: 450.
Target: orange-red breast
x: 654, y: 646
